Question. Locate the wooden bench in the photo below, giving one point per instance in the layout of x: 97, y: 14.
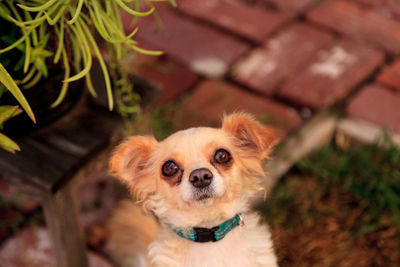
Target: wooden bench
x: 45, y: 168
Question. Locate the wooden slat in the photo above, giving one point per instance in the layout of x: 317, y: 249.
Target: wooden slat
x: 60, y: 142
x: 49, y: 158
x: 31, y: 165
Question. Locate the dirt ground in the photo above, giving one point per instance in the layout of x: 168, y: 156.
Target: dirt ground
x: 319, y: 229
x: 328, y: 243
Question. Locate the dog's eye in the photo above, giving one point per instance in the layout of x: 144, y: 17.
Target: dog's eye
x: 170, y: 168
x: 222, y: 156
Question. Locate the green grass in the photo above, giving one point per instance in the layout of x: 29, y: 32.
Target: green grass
x: 363, y: 180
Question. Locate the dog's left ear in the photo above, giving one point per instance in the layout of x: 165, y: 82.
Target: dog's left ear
x: 250, y: 136
x: 130, y: 164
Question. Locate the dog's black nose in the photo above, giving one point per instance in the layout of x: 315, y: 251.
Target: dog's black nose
x: 201, y: 177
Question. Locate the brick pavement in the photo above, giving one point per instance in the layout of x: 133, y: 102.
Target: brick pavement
x: 32, y: 248
x: 390, y: 75
x: 377, y: 104
x: 237, y: 18
x: 336, y: 71
x: 355, y: 21
x: 265, y: 68
x: 298, y: 55
x: 211, y: 97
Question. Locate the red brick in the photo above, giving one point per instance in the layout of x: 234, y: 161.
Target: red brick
x: 196, y: 45
x: 390, y: 75
x: 247, y: 21
x: 333, y: 75
x: 212, y: 98
x: 281, y: 57
x: 290, y: 5
x: 389, y: 8
x: 352, y: 20
x: 32, y: 247
x: 171, y: 77
x: 377, y: 104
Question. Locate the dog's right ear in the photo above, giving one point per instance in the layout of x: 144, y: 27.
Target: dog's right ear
x: 251, y: 136
x: 130, y: 164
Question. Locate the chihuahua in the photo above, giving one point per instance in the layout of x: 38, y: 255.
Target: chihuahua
x: 198, y: 183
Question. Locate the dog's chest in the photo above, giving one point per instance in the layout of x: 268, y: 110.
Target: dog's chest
x: 230, y: 251
x: 244, y: 246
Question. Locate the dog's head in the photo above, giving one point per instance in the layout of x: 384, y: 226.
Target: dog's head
x: 198, y: 175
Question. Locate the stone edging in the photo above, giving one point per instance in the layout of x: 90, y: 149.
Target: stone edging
x: 318, y: 132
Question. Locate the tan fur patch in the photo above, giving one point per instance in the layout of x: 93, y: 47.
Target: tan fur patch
x: 250, y: 135
x: 130, y: 164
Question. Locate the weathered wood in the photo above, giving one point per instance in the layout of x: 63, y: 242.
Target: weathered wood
x: 61, y: 215
x: 31, y: 166
x: 60, y: 142
x: 50, y: 157
x: 45, y: 167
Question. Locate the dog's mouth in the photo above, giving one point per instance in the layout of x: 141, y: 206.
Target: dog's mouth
x: 203, y: 195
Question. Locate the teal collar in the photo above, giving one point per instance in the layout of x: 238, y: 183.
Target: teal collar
x: 198, y: 234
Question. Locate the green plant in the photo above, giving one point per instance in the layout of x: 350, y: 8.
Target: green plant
x: 7, y: 112
x: 371, y: 174
x: 365, y: 178
x: 64, y: 31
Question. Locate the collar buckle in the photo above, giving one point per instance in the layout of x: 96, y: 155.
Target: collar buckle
x: 241, y: 221
x: 205, y: 234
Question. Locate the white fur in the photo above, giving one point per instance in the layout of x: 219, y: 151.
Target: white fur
x: 248, y: 245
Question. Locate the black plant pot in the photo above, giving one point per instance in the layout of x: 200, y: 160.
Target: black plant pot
x: 40, y: 97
